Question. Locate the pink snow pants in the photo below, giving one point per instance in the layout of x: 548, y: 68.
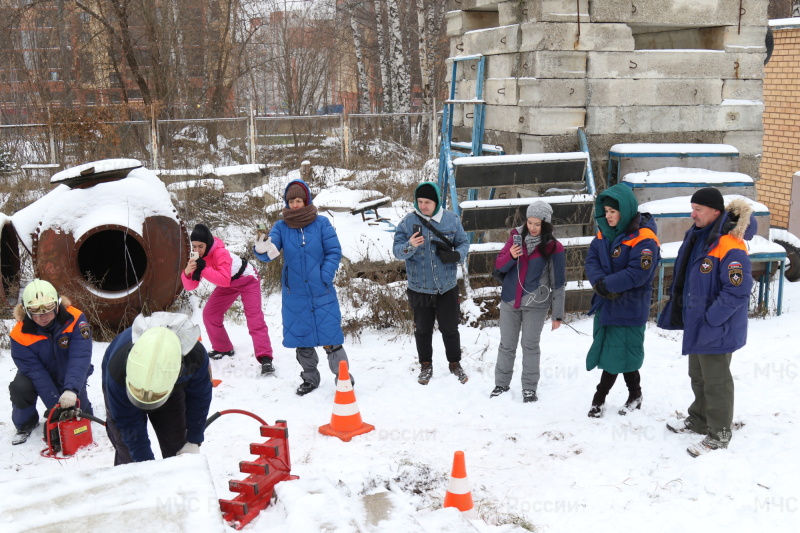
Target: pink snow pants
x: 221, y: 299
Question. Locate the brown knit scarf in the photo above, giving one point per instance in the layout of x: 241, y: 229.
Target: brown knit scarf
x: 300, y: 218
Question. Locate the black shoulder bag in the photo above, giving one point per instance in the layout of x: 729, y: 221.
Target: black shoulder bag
x: 444, y: 248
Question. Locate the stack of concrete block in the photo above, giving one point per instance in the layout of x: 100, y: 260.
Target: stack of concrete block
x: 684, y: 71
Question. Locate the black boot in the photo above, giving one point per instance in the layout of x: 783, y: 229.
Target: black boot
x: 632, y: 380
x: 603, y: 388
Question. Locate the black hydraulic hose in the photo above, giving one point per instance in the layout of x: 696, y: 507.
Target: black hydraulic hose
x: 81, y: 414
x: 218, y: 414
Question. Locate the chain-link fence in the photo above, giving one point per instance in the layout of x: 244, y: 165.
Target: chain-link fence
x: 370, y: 140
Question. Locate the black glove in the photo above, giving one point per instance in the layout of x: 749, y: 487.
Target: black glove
x: 600, y: 288
x: 201, y: 264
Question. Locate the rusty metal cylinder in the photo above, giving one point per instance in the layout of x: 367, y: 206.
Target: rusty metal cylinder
x: 108, y: 237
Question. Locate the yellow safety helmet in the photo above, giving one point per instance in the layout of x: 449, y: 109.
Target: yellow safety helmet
x: 154, y: 364
x: 39, y: 297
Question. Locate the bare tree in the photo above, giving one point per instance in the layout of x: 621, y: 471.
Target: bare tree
x: 401, y: 93
x: 363, y: 89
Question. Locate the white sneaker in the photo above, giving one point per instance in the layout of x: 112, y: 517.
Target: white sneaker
x: 706, y: 445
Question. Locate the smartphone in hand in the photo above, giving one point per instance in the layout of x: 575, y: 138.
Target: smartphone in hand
x: 417, y: 229
x: 261, y: 229
x: 517, y: 240
x: 194, y: 255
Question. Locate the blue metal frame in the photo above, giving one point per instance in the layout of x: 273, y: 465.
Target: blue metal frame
x: 446, y: 174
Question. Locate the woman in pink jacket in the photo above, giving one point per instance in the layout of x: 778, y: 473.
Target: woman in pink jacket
x: 233, y: 277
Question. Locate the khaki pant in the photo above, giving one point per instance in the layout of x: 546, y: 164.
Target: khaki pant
x: 711, y: 411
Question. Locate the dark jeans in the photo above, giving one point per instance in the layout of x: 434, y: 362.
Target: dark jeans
x: 442, y: 308
x: 169, y: 423
x: 712, y: 385
x: 23, y: 402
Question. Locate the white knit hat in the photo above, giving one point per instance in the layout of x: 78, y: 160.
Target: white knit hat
x: 541, y: 210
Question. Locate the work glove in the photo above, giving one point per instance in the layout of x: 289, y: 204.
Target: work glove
x: 68, y: 399
x: 600, y: 288
x: 201, y: 264
x: 189, y: 448
x: 264, y: 246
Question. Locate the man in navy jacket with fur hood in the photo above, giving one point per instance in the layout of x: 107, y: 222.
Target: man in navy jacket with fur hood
x: 709, y: 302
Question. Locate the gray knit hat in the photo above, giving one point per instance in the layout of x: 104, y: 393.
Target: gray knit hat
x: 540, y: 210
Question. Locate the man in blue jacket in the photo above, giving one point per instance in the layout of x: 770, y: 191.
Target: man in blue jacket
x: 432, y: 242
x: 51, y: 344
x: 158, y: 370
x: 709, y: 301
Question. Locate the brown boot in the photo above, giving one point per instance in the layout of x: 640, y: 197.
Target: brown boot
x: 425, y: 373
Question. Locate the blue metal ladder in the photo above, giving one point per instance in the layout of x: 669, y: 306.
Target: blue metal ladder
x: 446, y: 176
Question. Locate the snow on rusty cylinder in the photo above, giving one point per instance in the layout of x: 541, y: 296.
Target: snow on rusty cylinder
x: 109, y: 237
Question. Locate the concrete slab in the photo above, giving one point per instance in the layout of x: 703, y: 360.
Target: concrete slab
x: 743, y: 90
x: 495, y: 91
x: 693, y: 64
x: 552, y: 64
x: 460, y: 22
x: 655, y: 119
x: 751, y: 39
x: 565, y: 36
x: 650, y: 92
x: 748, y: 142
x: 484, y: 5
x: 500, y: 40
x: 674, y: 12
x: 543, y: 11
x: 497, y: 66
x: 552, y: 120
x: 535, y: 92
x: 503, y: 91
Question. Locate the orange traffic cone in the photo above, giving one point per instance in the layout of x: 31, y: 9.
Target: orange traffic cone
x: 458, y: 494
x: 346, y: 420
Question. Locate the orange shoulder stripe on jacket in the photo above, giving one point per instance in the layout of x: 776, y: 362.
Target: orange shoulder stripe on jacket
x: 27, y: 339
x: 725, y: 245
x: 644, y: 233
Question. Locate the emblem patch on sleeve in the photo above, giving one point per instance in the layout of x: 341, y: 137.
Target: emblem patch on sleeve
x: 63, y: 342
x: 616, y: 252
x: 735, y: 274
x: 85, y: 329
x: 706, y: 266
x: 647, y: 259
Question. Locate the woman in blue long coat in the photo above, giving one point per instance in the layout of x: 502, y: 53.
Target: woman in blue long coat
x: 310, y: 308
x: 620, y: 264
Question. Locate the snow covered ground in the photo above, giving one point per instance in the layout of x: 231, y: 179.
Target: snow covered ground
x: 544, y: 465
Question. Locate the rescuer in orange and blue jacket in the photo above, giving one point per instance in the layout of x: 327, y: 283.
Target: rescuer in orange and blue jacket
x: 709, y: 301
x: 51, y: 344
x: 620, y: 264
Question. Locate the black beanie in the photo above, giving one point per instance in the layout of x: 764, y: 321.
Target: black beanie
x: 201, y: 233
x: 611, y: 202
x: 427, y: 191
x: 709, y: 197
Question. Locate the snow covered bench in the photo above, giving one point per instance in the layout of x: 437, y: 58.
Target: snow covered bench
x: 670, y: 182
x: 628, y: 158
